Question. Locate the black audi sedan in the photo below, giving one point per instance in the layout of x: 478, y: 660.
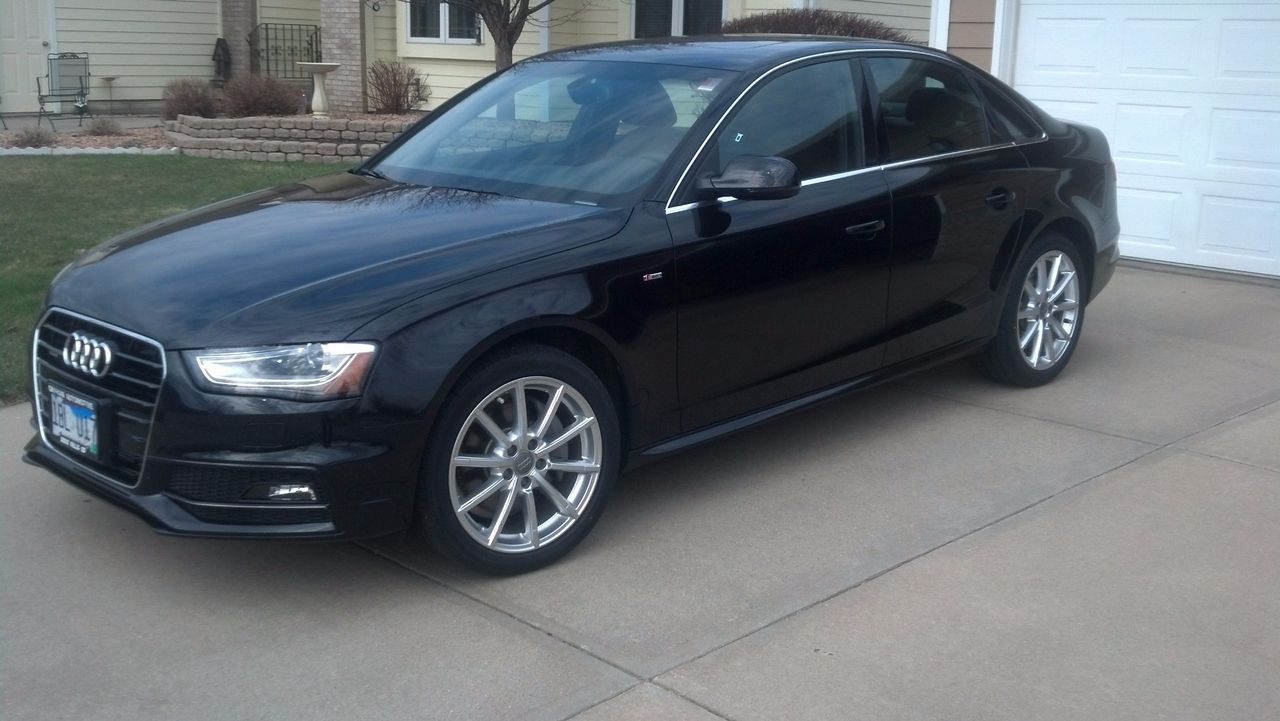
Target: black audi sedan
x: 595, y: 257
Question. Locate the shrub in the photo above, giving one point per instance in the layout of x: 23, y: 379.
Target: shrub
x: 104, y: 126
x: 188, y: 96
x: 36, y: 137
x: 815, y: 22
x: 260, y: 95
x: 395, y: 87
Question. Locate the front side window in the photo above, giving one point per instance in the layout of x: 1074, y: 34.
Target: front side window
x: 662, y: 18
x: 570, y: 131
x: 808, y: 116
x: 435, y: 20
x: 927, y: 108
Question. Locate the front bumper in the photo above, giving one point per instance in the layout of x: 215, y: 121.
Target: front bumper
x: 208, y: 456
x: 164, y: 513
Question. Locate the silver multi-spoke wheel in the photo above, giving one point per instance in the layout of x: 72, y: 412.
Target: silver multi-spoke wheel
x: 1048, y: 309
x: 525, y: 464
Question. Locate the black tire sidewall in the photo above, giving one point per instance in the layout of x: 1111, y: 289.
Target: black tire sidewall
x: 435, y: 507
x: 1004, y: 360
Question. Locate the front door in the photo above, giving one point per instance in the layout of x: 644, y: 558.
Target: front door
x: 782, y: 297
x: 25, y: 43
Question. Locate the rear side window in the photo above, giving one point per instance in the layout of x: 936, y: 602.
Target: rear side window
x: 807, y: 116
x: 927, y: 108
x: 1008, y: 122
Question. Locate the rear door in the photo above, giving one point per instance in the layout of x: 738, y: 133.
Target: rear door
x: 782, y: 297
x: 958, y: 194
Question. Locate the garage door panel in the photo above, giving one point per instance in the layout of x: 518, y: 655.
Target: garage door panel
x: 1067, y: 50
x: 1188, y: 94
x: 1160, y: 47
x: 1148, y: 219
x: 1178, y: 48
x: 1196, y: 222
x: 1152, y: 133
x: 1244, y: 144
x: 1238, y: 232
x: 1248, y: 50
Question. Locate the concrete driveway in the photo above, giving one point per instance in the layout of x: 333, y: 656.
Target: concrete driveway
x: 1107, y: 547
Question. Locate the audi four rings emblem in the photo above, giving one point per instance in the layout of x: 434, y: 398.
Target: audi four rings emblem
x: 87, y: 354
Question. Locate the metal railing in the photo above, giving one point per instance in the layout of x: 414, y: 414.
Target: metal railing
x: 275, y: 48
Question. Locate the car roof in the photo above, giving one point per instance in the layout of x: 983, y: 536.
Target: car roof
x: 723, y: 52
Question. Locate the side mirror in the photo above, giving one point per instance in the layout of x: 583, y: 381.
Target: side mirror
x: 753, y: 177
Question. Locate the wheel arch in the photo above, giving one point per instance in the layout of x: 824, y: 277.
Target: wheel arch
x: 571, y: 335
x: 1034, y: 228
x: 1079, y: 236
x: 578, y: 339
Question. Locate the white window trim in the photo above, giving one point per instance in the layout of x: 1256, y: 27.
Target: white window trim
x: 939, y: 24
x: 444, y: 38
x: 677, y: 17
x: 1002, y: 39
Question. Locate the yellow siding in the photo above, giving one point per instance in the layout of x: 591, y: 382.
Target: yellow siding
x: 583, y: 22
x: 293, y: 12
x: 448, y: 77
x: 143, y: 43
x: 751, y: 7
x: 384, y: 31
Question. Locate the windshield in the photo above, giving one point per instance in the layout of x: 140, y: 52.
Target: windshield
x: 567, y: 131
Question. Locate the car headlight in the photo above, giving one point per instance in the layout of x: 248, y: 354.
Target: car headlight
x: 313, y: 371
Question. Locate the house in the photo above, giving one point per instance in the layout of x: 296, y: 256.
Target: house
x: 143, y: 44
x: 1187, y: 91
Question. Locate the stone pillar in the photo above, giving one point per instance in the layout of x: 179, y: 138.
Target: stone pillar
x: 342, y: 41
x: 239, y: 18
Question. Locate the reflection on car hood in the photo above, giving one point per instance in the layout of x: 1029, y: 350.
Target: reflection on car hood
x: 316, y: 259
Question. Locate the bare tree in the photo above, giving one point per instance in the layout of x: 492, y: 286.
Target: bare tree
x: 505, y: 20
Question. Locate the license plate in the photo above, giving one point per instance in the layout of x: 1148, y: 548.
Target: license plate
x: 74, y: 421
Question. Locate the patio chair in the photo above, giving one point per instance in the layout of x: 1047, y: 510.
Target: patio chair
x: 66, y: 81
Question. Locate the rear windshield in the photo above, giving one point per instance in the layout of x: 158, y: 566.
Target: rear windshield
x: 569, y: 131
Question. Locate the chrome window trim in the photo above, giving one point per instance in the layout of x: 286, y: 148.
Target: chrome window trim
x: 868, y: 169
x: 672, y: 209
x: 35, y: 382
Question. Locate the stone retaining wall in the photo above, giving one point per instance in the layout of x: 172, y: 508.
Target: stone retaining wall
x: 296, y: 138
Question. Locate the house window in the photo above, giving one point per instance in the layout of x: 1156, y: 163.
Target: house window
x: 443, y: 22
x: 660, y: 18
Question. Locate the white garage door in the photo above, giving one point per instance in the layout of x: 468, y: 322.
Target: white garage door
x: 1188, y: 94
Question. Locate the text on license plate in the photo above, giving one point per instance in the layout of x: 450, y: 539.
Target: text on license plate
x: 74, y: 421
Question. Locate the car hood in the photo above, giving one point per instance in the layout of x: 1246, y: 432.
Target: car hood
x: 313, y: 260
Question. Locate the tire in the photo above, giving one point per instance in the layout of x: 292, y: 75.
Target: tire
x: 1058, y: 320
x: 469, y: 483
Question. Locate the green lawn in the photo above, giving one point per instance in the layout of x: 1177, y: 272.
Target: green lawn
x: 52, y: 209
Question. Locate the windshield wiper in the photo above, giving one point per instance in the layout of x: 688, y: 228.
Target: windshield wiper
x: 369, y: 172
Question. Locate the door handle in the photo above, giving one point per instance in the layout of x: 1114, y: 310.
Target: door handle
x: 864, y: 231
x: 1000, y: 198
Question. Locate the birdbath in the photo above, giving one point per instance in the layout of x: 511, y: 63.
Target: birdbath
x: 319, y: 101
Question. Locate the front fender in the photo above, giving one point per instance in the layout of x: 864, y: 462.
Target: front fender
x: 597, y: 292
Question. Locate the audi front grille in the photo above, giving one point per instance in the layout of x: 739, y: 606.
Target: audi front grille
x: 127, y: 391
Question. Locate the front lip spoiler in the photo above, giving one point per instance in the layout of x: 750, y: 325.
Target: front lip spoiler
x: 162, y: 513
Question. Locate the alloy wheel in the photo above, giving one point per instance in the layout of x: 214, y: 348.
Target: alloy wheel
x: 525, y: 464
x: 1047, y: 310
